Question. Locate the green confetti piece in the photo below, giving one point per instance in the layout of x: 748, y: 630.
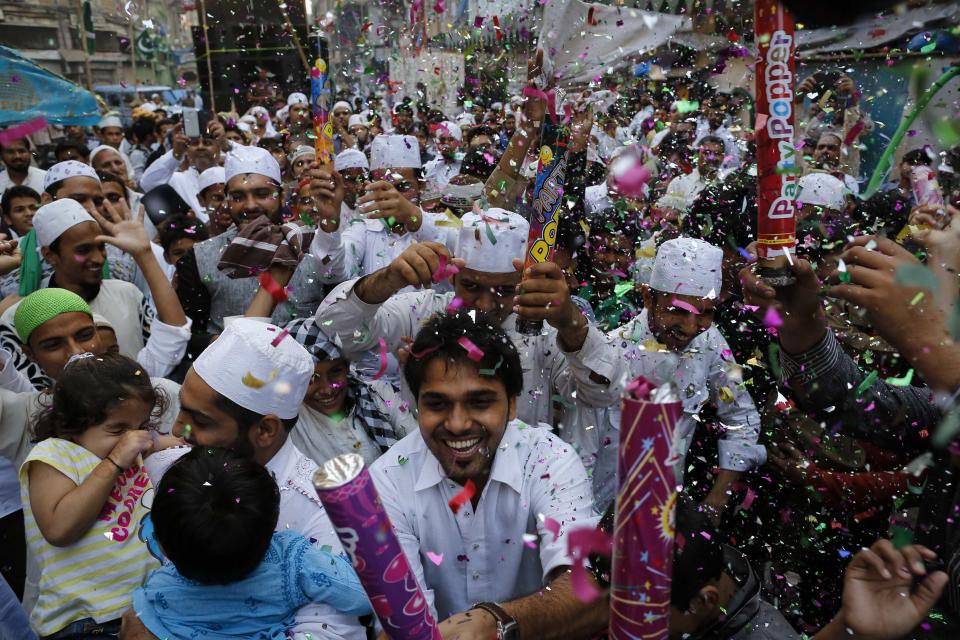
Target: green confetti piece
x: 845, y: 276
x: 492, y: 238
x: 927, y: 48
x: 491, y: 372
x: 566, y: 403
x: 622, y: 288
x: 917, y: 298
x: 307, y: 220
x: 867, y: 382
x: 901, y: 382
x: 402, y: 460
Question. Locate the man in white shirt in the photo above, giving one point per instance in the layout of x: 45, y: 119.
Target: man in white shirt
x: 17, y: 170
x: 712, y: 124
x: 488, y: 252
x: 219, y: 407
x: 683, y: 190
x: 481, y: 502
x: 674, y: 340
x: 438, y: 171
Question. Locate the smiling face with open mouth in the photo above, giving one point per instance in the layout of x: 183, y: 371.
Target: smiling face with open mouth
x: 463, y: 416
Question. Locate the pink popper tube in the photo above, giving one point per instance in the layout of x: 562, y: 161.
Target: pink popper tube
x: 644, y: 530
x: 348, y: 494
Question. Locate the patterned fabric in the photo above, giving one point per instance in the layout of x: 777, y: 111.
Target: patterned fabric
x: 367, y: 414
x: 261, y: 244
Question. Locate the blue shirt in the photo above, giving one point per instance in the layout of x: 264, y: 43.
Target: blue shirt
x: 262, y: 605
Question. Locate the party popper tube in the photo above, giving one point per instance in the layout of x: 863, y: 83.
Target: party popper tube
x: 348, y: 494
x: 547, y: 197
x: 320, y: 109
x: 644, y: 524
x: 777, y: 178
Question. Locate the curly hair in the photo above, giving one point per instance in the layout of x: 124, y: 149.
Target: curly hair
x: 88, y: 389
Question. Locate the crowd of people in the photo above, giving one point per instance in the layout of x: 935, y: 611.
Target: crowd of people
x: 190, y: 326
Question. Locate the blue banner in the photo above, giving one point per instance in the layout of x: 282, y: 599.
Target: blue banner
x: 28, y: 91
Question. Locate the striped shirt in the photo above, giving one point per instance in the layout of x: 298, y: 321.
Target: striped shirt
x: 95, y: 576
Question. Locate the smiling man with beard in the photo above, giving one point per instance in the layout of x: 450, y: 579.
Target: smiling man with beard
x: 499, y: 548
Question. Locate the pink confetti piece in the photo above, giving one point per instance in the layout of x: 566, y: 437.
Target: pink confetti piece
x: 761, y: 122
x: 383, y: 359
x: 276, y: 341
x: 686, y: 306
x: 444, y: 270
x: 455, y: 304
x: 580, y: 544
x: 435, y: 558
x: 473, y: 351
x: 772, y: 319
x: 552, y: 526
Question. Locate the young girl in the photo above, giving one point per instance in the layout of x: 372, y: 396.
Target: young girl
x: 81, y: 488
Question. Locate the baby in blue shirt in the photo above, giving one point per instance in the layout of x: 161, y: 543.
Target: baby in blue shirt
x: 230, y: 575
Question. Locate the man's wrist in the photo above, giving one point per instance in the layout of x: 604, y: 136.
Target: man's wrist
x: 377, y: 287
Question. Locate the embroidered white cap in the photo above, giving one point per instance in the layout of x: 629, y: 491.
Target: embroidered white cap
x: 256, y: 160
x: 68, y: 169
x: 490, y: 241
x: 350, y: 159
x: 689, y: 267
x: 395, y: 152
x: 297, y: 98
x: 249, y: 366
x: 52, y: 220
x: 210, y: 177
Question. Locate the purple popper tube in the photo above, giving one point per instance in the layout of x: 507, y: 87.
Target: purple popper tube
x: 353, y: 504
x: 644, y: 530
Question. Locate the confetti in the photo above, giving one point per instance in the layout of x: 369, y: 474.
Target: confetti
x: 383, y: 359
x: 473, y: 351
x: 466, y: 494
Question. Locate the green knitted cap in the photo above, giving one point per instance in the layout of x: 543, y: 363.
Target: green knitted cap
x: 42, y: 305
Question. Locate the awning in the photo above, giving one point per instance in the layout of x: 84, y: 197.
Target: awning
x: 872, y: 32
x: 28, y: 91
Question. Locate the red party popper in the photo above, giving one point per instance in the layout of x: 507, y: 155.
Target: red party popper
x: 644, y: 525
x: 353, y: 504
x: 777, y: 154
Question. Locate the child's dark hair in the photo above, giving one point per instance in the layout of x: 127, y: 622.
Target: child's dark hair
x: 698, y: 555
x: 441, y: 338
x: 179, y: 227
x: 88, y: 389
x: 214, y: 515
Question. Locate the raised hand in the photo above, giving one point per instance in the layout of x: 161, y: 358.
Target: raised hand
x: 383, y: 201
x: 119, y: 230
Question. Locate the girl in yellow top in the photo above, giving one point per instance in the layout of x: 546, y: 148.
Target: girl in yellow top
x: 82, y: 488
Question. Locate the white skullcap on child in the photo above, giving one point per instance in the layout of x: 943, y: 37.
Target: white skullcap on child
x: 688, y: 267
x: 356, y: 119
x: 210, y: 177
x: 490, y: 241
x: 395, y: 152
x: 68, y: 169
x: 256, y: 160
x: 248, y: 365
x: 452, y: 128
x: 52, y: 220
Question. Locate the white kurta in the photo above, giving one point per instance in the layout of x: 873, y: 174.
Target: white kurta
x: 484, y: 554
x: 359, y: 326
x: 34, y: 180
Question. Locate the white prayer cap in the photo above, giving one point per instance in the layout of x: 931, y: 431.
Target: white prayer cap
x: 249, y: 366
x: 102, y: 148
x: 689, y: 267
x: 283, y: 113
x: 490, y: 241
x: 251, y: 160
x: 395, y: 152
x: 350, y: 159
x: 109, y: 121
x: 497, y: 106
x: 148, y: 107
x: 452, y: 128
x: 297, y: 98
x: 466, y: 119
x: 516, y: 101
x: 822, y: 190
x: 343, y: 104
x: 68, y: 169
x: 52, y: 220
x: 303, y: 151
x: 210, y: 177
x: 356, y: 119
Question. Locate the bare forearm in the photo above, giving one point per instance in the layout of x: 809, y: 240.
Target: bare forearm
x: 79, y: 508
x: 835, y: 630
x: 169, y: 310
x: 721, y: 486
x: 557, y: 613
x: 798, y: 335
x: 263, y: 302
x: 377, y: 287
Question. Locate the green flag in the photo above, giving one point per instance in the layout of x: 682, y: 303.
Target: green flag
x: 86, y: 26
